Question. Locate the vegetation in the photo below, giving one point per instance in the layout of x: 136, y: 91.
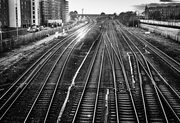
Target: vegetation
x: 102, y: 14
x: 73, y: 15
x: 128, y: 18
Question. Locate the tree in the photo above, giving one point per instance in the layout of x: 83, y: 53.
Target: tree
x: 128, y: 18
x: 102, y: 14
x: 115, y: 15
x: 73, y: 15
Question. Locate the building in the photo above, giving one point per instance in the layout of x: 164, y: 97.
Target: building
x: 45, y: 11
x: 25, y: 13
x: 163, y: 11
x: 35, y: 12
x: 56, y: 14
x: 4, y: 12
x: 14, y: 13
x: 65, y: 11
x: 51, y: 12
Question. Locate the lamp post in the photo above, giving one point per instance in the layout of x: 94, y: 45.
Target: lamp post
x: 82, y: 11
x: 1, y: 47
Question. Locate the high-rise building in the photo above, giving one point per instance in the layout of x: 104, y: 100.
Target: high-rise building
x: 4, y: 14
x: 55, y: 14
x: 14, y: 13
x: 50, y: 11
x: 25, y: 13
x: 35, y: 12
x: 64, y: 11
x: 45, y: 11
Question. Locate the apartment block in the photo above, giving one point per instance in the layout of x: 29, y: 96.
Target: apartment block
x: 25, y: 13
x: 4, y: 12
x: 35, y: 12
x: 14, y: 13
x: 50, y: 11
x: 169, y: 11
x: 65, y: 11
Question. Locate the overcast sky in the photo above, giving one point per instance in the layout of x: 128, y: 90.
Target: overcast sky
x: 107, y: 6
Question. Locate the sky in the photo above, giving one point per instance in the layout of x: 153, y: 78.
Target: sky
x: 107, y: 6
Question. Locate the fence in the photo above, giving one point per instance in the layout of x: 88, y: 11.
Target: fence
x: 167, y: 32
x: 12, y: 42
x: 163, y: 23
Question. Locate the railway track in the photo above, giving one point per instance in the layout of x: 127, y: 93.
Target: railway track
x: 126, y: 103
x: 111, y: 80
x: 155, y: 90
x: 40, y: 61
x: 175, y: 65
x: 34, y: 93
x: 82, y: 107
x: 3, y: 60
x: 96, y: 99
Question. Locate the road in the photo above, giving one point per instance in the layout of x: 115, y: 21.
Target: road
x: 116, y: 77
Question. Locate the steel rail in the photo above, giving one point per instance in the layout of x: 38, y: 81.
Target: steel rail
x: 164, y: 80
x: 161, y: 75
x: 158, y: 89
x: 114, y: 82
x: 169, y: 105
x: 21, y: 91
x: 141, y: 90
x: 141, y: 85
x: 140, y: 79
x: 143, y: 57
x: 161, y: 93
x: 67, y: 57
x: 149, y: 73
x: 98, y: 86
x: 124, y: 72
x: 39, y: 61
x: 25, y: 85
x: 126, y: 80
x: 72, y: 84
x: 87, y: 79
x: 159, y: 52
x: 111, y: 59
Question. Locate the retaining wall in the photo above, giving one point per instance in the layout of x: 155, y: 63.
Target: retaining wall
x: 165, y: 31
x: 163, y: 23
